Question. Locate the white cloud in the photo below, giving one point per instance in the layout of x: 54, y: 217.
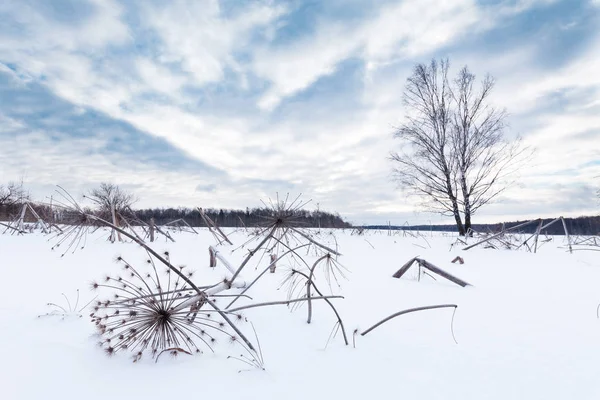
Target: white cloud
x: 336, y: 157
x: 413, y: 28
x: 104, y: 28
x: 406, y: 29
x: 157, y: 78
x: 198, y: 37
x: 299, y: 65
x: 399, y: 31
x: 79, y: 163
x: 9, y: 125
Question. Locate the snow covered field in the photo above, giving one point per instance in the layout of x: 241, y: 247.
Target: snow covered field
x: 526, y: 329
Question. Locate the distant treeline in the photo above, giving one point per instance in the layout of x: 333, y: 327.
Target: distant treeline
x: 257, y: 216
x: 239, y: 218
x: 222, y: 217
x: 575, y: 226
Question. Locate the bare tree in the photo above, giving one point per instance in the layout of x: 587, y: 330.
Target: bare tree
x: 113, y: 203
x: 12, y: 194
x: 110, y: 198
x: 455, y: 155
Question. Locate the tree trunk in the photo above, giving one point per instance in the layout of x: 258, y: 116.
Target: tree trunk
x: 459, y: 224
x: 453, y: 200
x: 456, y: 212
x: 465, y: 191
x: 468, y: 230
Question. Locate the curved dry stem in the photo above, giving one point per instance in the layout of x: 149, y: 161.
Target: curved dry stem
x: 172, y: 349
x: 410, y: 310
x: 452, y: 325
x: 309, y: 285
x: 328, y: 302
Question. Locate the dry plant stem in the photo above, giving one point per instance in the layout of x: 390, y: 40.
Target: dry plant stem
x: 201, y: 294
x: 252, y: 238
x: 567, y: 234
x: 242, y: 222
x: 212, y: 258
x: 281, y: 302
x: 58, y: 228
x: 165, y: 234
x: 12, y: 227
x: 255, y: 359
x: 405, y: 267
x: 452, y: 324
x: 315, y: 242
x: 441, y: 272
x: 129, y: 226
x: 537, y: 235
x: 232, y: 295
x: 334, y: 331
x: 215, y: 253
x: 212, y: 292
x: 533, y: 235
x: 251, y: 254
x: 183, y: 222
x: 21, y: 220
x: 195, y: 296
x: 264, y: 272
x: 328, y: 302
x: 175, y: 349
x: 426, y: 264
x: 410, y: 310
x: 501, y: 233
x: 309, y: 285
x: 211, y: 225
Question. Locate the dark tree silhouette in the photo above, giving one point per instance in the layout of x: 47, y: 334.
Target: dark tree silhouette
x: 12, y: 194
x: 109, y: 195
x: 454, y: 155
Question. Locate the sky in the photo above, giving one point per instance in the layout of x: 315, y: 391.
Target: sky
x: 226, y: 103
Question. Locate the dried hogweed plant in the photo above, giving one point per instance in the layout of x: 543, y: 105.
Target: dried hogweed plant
x: 282, y: 232
x: 152, y: 312
x: 83, y: 221
x: 67, y: 310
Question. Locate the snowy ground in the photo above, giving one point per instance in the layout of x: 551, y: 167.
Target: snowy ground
x: 526, y: 329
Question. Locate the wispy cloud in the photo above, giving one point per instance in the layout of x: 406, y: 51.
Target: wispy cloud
x: 224, y: 103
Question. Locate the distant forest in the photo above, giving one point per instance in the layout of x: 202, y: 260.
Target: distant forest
x: 222, y: 217
x: 575, y: 226
x: 312, y: 219
x: 239, y: 218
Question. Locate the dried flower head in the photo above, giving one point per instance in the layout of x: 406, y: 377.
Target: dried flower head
x: 147, y: 313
